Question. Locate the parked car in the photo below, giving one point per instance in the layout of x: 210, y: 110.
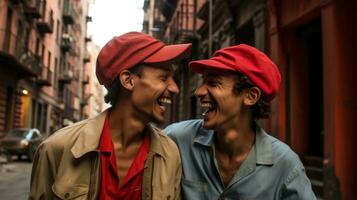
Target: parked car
x: 22, y: 141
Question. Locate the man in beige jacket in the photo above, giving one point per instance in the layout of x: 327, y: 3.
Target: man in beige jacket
x: 118, y: 154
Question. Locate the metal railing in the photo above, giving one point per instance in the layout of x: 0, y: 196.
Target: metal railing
x: 14, y: 47
x: 67, y: 42
x: 65, y: 77
x: 85, y: 79
x: 69, y: 14
x: 46, y: 76
x: 45, y: 24
x: 86, y: 56
x: 33, y: 8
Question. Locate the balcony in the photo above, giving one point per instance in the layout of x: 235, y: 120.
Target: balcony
x: 89, y: 19
x: 86, y: 57
x: 85, y: 80
x: 46, y: 77
x: 65, y: 77
x: 15, y: 57
x: 67, y: 42
x: 69, y: 15
x: 45, y: 24
x: 88, y: 39
x: 32, y: 8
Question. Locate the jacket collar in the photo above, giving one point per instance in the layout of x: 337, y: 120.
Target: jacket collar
x: 263, y: 145
x: 90, y: 132
x: 89, y: 135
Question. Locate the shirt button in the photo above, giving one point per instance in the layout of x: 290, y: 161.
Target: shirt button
x: 66, y: 195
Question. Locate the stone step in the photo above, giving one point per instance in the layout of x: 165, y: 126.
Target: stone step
x: 312, y: 161
x: 314, y: 173
x: 318, y: 188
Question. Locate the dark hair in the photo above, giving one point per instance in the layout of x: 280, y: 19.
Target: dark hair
x: 115, y: 88
x: 261, y: 109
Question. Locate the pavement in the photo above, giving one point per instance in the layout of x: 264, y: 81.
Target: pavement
x: 14, y: 179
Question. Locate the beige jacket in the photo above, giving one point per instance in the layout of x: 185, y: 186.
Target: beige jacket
x: 67, y: 165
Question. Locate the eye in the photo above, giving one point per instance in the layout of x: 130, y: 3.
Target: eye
x: 212, y: 82
x: 163, y: 78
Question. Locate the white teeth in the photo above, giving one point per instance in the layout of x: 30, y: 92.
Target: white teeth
x: 206, y: 105
x: 165, y: 100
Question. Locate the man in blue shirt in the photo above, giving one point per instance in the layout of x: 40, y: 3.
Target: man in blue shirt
x: 227, y: 155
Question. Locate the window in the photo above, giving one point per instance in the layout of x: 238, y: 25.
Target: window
x: 43, y: 53
x: 55, y: 72
x: 57, y: 31
x: 37, y: 46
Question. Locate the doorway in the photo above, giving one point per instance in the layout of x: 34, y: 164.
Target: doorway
x: 310, y: 35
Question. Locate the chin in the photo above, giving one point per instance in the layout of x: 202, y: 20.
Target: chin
x: 207, y: 125
x: 158, y: 119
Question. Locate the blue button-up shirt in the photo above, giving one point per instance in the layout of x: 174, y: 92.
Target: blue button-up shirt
x: 270, y: 171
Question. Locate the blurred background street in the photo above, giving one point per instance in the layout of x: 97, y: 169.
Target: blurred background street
x: 14, y: 178
x: 48, y: 51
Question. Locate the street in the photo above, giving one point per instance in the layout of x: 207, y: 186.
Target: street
x: 15, y: 179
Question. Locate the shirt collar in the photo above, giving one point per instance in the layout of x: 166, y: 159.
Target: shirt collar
x: 262, y: 147
x: 204, y: 136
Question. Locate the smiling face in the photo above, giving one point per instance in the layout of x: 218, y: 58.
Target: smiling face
x: 221, y: 107
x: 153, y: 91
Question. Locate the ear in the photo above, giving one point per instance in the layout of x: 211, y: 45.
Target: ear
x: 252, y: 96
x: 127, y: 79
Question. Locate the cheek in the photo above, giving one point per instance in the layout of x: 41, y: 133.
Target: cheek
x: 229, y: 103
x: 146, y: 93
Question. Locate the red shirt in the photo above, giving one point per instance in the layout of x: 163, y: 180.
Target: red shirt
x: 132, y: 182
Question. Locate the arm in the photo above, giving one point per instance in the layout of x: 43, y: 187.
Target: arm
x: 177, y: 185
x: 297, y: 186
x: 43, y: 174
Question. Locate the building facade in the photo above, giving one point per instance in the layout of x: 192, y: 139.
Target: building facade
x: 43, y: 54
x: 312, y: 43
x: 93, y: 91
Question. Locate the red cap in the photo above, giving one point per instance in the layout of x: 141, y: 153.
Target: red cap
x: 246, y: 60
x: 128, y: 50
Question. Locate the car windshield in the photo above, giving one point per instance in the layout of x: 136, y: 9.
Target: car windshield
x: 18, y: 133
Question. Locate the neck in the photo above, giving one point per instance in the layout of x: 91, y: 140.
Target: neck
x: 236, y: 140
x: 125, y: 127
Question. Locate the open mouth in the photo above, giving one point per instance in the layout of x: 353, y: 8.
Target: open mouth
x: 163, y: 102
x: 207, y: 107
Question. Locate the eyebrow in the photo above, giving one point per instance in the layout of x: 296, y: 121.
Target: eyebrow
x: 215, y: 76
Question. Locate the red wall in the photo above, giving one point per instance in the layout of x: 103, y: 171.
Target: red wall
x: 339, y: 33
x: 346, y: 100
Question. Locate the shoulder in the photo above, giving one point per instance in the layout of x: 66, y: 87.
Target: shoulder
x: 283, y: 154
x: 183, y: 129
x: 168, y: 146
x: 64, y: 137
x: 286, y: 161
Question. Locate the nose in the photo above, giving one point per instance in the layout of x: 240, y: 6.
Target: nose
x: 173, y: 87
x: 201, y: 91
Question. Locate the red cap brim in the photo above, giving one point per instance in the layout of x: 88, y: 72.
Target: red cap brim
x: 199, y: 66
x: 170, y: 53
